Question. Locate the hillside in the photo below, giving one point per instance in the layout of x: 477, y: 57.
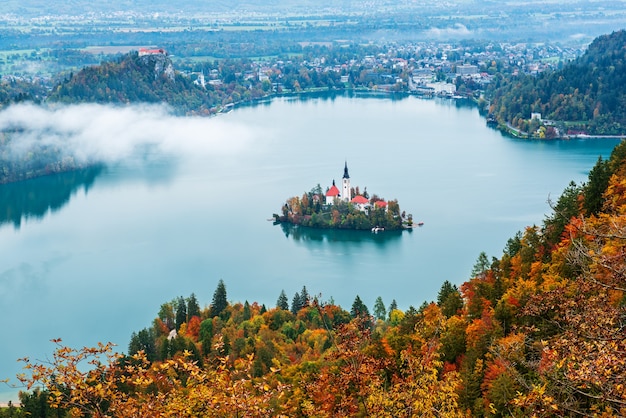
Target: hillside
x: 130, y: 79
x: 588, y: 94
x: 536, y: 332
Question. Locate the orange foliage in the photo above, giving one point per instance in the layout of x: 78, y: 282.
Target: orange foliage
x: 193, y: 328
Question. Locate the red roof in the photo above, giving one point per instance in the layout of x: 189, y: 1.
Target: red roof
x: 333, y: 191
x: 359, y: 200
x: 147, y: 51
x: 381, y: 203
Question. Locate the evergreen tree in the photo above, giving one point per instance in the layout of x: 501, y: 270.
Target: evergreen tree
x: 220, y: 301
x: 449, y: 299
x: 181, y: 312
x: 594, y: 189
x: 296, y: 304
x: 193, y: 309
x: 392, y: 307
x: 481, y: 266
x: 565, y: 208
x: 144, y: 341
x: 246, y: 311
x: 263, y: 309
x: 282, y: 302
x: 380, y: 312
x: 305, y: 298
x: 359, y: 309
x: 445, y: 290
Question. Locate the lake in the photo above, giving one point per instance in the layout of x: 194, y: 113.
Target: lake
x: 90, y: 256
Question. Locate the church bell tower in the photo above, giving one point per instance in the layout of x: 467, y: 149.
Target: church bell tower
x: 345, y: 192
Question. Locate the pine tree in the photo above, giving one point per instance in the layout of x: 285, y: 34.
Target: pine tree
x: 220, y: 302
x: 358, y: 308
x: 181, y: 312
x: 193, y: 309
x: 282, y: 302
x: 481, y: 266
x: 246, y: 311
x: 304, y: 297
x: 449, y: 299
x: 380, y: 312
x: 296, y: 304
x: 596, y: 186
x: 392, y: 307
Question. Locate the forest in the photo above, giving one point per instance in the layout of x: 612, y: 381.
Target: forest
x: 586, y: 96
x: 537, y: 332
x: 133, y: 79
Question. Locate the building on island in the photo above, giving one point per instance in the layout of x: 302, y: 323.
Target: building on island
x: 332, y: 194
x: 342, y: 207
x: 360, y: 202
x: 347, y: 193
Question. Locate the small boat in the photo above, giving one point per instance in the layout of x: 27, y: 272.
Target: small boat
x: 420, y: 224
x: 377, y: 229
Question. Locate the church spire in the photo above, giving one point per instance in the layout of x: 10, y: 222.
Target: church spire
x: 345, y: 171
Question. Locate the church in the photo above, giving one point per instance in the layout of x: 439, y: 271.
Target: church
x: 345, y: 194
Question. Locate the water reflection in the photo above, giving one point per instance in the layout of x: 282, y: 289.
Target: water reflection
x: 325, y: 96
x: 318, y: 235
x: 34, y: 198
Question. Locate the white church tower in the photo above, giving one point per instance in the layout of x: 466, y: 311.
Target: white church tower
x: 346, y: 195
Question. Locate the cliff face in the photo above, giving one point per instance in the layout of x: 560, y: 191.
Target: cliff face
x: 160, y: 65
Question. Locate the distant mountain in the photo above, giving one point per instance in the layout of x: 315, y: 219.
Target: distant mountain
x: 132, y: 78
x: 589, y: 94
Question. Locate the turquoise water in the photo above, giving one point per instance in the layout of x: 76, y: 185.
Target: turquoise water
x: 90, y: 256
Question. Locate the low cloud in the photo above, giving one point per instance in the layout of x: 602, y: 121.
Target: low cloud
x: 457, y: 31
x: 101, y: 133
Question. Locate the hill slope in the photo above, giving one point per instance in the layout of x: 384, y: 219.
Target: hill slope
x: 130, y: 79
x: 589, y: 93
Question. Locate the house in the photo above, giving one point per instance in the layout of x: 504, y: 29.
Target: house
x: 381, y: 204
x: 360, y: 202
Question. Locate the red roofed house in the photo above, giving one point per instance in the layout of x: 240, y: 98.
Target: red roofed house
x: 381, y: 204
x: 360, y: 202
x: 332, y: 194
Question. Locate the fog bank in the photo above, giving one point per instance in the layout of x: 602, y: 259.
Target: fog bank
x: 106, y: 134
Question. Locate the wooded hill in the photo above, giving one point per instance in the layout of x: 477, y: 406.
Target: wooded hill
x: 588, y: 94
x: 538, y: 331
x: 130, y: 79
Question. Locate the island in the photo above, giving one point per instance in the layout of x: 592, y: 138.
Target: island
x: 345, y: 208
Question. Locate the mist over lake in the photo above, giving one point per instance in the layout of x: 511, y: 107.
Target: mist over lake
x: 184, y: 202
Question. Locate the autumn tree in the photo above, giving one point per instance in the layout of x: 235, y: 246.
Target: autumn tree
x: 113, y: 386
